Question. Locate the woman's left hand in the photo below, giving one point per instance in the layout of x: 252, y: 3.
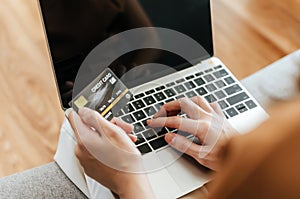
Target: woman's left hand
x: 107, y: 153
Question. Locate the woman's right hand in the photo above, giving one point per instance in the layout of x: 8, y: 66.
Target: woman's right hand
x: 205, y: 121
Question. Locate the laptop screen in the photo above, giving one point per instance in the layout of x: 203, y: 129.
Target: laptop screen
x: 75, y: 27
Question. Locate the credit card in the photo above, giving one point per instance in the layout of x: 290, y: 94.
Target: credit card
x: 106, y: 94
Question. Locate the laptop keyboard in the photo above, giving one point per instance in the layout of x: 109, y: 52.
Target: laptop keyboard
x: 215, y: 84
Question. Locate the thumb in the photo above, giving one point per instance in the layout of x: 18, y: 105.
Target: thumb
x: 83, y: 133
x: 182, y: 144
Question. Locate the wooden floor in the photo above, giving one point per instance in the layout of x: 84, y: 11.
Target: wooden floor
x: 248, y: 35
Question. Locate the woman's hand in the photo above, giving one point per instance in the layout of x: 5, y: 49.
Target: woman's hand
x: 108, y: 155
x: 205, y: 121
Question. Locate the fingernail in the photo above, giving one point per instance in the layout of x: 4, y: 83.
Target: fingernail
x: 83, y: 111
x: 170, y: 137
x: 148, y: 122
x: 135, y: 138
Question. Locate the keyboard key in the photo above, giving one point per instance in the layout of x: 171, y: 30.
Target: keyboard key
x: 159, y: 96
x: 149, y: 100
x: 241, y: 108
x: 144, y: 148
x: 170, y: 92
x: 179, y: 81
x: 220, y: 73
x: 211, y: 87
x: 229, y: 80
x: 158, y: 143
x: 208, y: 70
x: 237, y: 98
x: 231, y: 112
x: 190, y: 94
x: 179, y: 89
x: 139, y: 96
x: 160, y: 88
x: 138, y: 128
x: 179, y: 96
x: 150, y: 111
x: 210, y: 98
x: 140, y: 139
x: 138, y: 104
x: 201, y: 91
x: 209, y: 78
x: 199, y: 74
x: 227, y: 117
x: 171, y: 130
x: 220, y: 83
x: 223, y: 104
x: 150, y: 92
x: 220, y: 94
x: 128, y: 108
x: 139, y: 115
x: 170, y: 84
x: 161, y: 131
x: 182, y: 133
x: 157, y: 106
x: 218, y: 67
x: 233, y: 89
x: 189, y: 77
x: 128, y: 119
x: 189, y: 85
x: 169, y: 100
x: 250, y: 104
x: 149, y: 134
x: 199, y: 81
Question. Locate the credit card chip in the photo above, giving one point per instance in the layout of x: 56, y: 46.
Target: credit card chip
x: 80, y: 102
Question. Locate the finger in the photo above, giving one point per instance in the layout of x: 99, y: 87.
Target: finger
x: 132, y: 137
x: 197, y: 128
x: 216, y: 107
x: 191, y: 108
x: 168, y: 109
x: 186, y: 146
x: 95, y: 120
x: 128, y: 128
x: 81, y: 130
x: 72, y: 117
x: 113, y: 120
x: 201, y: 101
x: 182, y: 144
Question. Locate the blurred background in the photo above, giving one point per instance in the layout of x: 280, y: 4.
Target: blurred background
x: 248, y: 35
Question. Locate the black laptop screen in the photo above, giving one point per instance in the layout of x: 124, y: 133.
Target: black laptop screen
x: 75, y: 27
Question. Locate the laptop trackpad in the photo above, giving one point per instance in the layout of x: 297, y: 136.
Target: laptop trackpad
x: 185, y: 171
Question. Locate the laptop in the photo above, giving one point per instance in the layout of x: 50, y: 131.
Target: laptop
x: 74, y: 28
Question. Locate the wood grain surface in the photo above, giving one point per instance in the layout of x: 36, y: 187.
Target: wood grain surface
x: 248, y: 35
